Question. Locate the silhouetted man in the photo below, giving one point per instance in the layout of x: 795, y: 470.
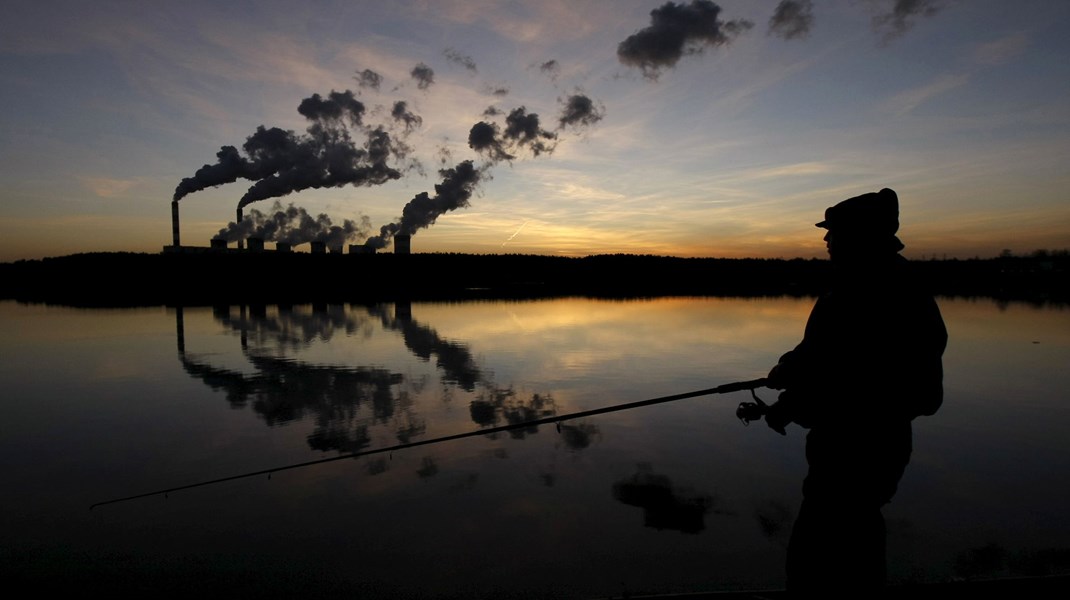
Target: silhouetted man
x: 869, y: 363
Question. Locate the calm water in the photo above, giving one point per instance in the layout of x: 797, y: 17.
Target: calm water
x: 101, y: 404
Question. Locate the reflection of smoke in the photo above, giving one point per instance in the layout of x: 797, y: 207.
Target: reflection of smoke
x: 295, y: 329
x: 423, y: 75
x: 464, y: 60
x: 774, y: 519
x: 281, y: 162
x: 458, y: 366
x: 500, y: 404
x: 901, y: 17
x: 676, y: 30
x: 457, y: 186
x: 792, y: 19
x: 368, y: 79
x: 577, y: 437
x: 294, y: 225
x: 282, y: 391
x: 664, y: 507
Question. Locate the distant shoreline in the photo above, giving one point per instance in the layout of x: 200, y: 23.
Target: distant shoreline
x: 208, y: 278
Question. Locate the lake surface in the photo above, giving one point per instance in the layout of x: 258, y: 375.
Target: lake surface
x: 678, y: 497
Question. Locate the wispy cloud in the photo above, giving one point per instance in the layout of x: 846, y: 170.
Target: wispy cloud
x: 1001, y: 51
x: 906, y: 101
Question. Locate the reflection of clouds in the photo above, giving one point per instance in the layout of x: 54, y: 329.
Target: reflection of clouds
x: 664, y: 506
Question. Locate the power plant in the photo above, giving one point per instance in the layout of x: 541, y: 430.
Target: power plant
x: 242, y: 236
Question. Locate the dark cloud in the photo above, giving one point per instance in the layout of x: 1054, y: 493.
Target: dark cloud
x: 457, y: 186
x: 369, y: 79
x: 676, y: 30
x: 901, y: 16
x: 456, y: 57
x: 423, y: 75
x: 492, y: 111
x: 402, y: 114
x: 579, y: 110
x: 294, y: 225
x: 792, y: 19
x: 500, y: 90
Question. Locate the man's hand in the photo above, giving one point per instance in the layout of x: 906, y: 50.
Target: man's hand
x: 777, y: 418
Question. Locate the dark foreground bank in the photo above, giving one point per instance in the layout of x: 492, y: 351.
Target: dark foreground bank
x: 131, y: 279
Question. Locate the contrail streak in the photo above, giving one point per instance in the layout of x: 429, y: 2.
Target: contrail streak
x: 515, y: 233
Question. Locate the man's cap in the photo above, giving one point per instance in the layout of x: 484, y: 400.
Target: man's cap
x: 875, y: 212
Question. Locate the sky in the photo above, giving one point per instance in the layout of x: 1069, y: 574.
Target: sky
x: 553, y: 127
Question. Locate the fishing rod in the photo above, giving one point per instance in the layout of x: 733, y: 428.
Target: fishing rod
x: 746, y: 412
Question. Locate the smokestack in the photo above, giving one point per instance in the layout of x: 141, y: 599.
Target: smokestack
x: 361, y: 249
x: 282, y: 247
x: 402, y: 243
x: 174, y: 222
x: 256, y: 244
x: 335, y: 249
x: 241, y: 243
x: 319, y: 247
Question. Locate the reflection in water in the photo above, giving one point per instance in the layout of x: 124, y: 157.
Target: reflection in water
x: 664, y: 506
x: 282, y: 389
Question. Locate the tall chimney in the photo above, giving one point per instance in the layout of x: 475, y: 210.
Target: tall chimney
x: 241, y: 242
x: 402, y: 244
x: 174, y: 222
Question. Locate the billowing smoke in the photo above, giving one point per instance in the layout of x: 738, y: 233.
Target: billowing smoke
x: 792, y: 19
x: 369, y: 79
x: 551, y: 68
x: 423, y: 75
x: 464, y: 60
x: 483, y: 138
x: 329, y: 158
x: 281, y: 162
x: 902, y: 15
x: 294, y: 225
x: 402, y: 114
x: 580, y: 111
x: 335, y: 107
x: 458, y: 185
x: 522, y: 131
x: 676, y: 30
x: 522, y: 128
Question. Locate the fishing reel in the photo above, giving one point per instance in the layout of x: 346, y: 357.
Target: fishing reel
x: 752, y: 411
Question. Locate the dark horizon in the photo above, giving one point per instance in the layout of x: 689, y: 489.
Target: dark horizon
x: 209, y: 277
